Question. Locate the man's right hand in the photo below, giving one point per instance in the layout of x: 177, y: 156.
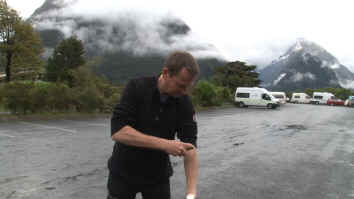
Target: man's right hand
x: 177, y: 148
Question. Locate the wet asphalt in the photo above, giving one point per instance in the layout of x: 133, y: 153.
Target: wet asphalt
x: 296, y: 151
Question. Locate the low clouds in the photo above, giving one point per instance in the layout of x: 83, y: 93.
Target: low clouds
x: 297, y: 77
x: 119, y: 28
x: 254, y: 31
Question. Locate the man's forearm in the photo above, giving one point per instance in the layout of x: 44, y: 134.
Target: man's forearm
x: 130, y: 136
x: 191, y: 171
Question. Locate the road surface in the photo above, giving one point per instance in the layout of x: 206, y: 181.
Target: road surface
x: 296, y: 151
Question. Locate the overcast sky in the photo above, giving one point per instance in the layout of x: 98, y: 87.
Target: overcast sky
x: 255, y: 31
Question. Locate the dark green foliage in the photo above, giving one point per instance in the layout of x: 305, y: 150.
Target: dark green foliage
x: 236, y: 74
x: 93, y: 95
x: 67, y: 56
x: 16, y: 96
x: 224, y: 94
x: 206, y: 93
x: 35, y: 97
x: 88, y: 100
x: 51, y: 37
x: 20, y: 45
x: 60, y: 98
x: 225, y: 80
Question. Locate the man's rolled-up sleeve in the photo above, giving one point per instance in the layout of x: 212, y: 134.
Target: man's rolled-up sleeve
x: 187, y: 130
x: 125, y: 112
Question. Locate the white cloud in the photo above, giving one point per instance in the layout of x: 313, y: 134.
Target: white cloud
x: 334, y: 66
x: 279, y: 78
x: 140, y: 32
x: 300, y: 76
x: 347, y: 84
x: 310, y: 76
x: 255, y: 31
x: 297, y: 77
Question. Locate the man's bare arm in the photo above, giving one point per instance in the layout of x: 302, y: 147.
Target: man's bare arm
x: 191, y: 171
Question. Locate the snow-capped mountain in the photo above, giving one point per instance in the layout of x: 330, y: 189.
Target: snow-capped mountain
x: 130, y: 42
x: 306, y: 65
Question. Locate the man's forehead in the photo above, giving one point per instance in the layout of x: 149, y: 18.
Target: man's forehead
x: 185, y: 75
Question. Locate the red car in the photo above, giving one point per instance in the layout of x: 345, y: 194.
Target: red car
x: 335, y: 101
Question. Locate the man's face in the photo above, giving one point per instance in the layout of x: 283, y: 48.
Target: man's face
x: 179, y: 84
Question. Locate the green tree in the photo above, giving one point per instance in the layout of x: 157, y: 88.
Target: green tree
x: 236, y: 74
x: 20, y: 45
x: 67, y: 56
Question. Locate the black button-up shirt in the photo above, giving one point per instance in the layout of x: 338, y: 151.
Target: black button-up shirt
x: 143, y: 108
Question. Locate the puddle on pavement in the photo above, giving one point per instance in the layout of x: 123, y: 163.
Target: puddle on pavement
x: 298, y: 127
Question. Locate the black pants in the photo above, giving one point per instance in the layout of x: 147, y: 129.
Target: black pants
x: 118, y: 188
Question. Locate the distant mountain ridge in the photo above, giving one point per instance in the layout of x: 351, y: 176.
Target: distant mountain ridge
x: 306, y: 65
x: 128, y: 43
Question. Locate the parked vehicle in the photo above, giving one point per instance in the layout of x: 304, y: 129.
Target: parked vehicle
x: 300, y: 98
x: 254, y: 96
x: 280, y: 96
x: 321, y: 97
x: 335, y: 101
x: 349, y: 101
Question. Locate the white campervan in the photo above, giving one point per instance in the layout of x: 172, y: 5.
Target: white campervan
x: 300, y: 98
x: 321, y: 97
x: 280, y: 96
x: 254, y: 96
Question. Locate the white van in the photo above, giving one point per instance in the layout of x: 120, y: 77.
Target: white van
x: 254, y: 96
x: 300, y: 98
x: 321, y: 97
x: 280, y: 96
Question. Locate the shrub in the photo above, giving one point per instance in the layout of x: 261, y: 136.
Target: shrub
x: 16, y: 96
x: 204, y: 94
x: 60, y: 97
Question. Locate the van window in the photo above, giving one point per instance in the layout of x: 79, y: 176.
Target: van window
x: 297, y: 96
x: 243, y: 95
x: 317, y: 97
x: 279, y: 96
x: 265, y: 97
x: 308, y: 97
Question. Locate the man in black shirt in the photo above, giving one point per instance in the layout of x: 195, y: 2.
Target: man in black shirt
x: 151, y: 112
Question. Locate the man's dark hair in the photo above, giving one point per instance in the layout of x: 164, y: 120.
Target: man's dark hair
x: 181, y: 59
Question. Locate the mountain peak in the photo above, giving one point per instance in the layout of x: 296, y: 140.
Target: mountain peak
x: 50, y: 5
x: 306, y: 49
x: 306, y: 65
x: 305, y: 46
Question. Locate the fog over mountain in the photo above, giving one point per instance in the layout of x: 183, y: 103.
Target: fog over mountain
x: 128, y: 43
x: 306, y: 65
x: 137, y: 31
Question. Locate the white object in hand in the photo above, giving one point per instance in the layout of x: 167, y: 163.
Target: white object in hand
x: 190, y: 196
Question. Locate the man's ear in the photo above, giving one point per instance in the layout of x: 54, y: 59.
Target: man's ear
x: 164, y: 71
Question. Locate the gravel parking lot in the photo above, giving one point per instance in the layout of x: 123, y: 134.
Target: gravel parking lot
x: 296, y: 151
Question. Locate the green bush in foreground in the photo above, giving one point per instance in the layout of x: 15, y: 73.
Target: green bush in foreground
x: 207, y: 94
x: 43, y: 97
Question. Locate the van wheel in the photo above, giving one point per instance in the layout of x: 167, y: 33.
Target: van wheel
x: 242, y: 105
